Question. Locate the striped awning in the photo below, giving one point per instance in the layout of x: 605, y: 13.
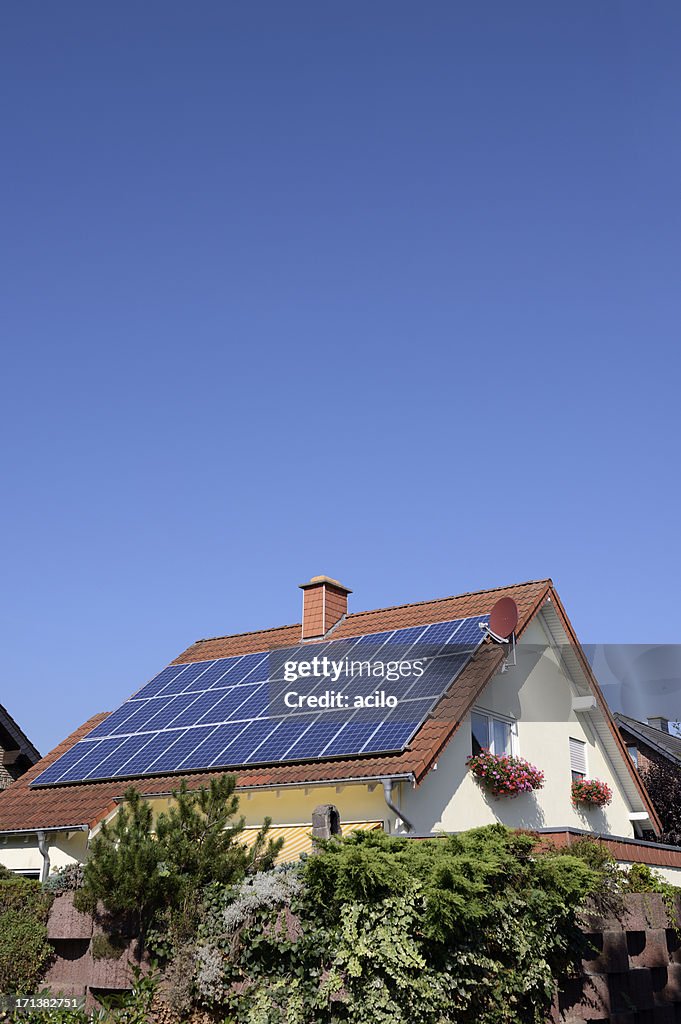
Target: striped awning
x: 298, y: 838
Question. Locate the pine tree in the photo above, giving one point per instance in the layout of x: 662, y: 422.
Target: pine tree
x: 202, y: 841
x: 124, y: 868
x: 134, y: 869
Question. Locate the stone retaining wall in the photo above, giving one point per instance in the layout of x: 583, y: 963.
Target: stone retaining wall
x: 634, y: 976
x: 75, y: 971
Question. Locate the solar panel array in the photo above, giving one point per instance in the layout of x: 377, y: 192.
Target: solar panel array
x: 230, y: 712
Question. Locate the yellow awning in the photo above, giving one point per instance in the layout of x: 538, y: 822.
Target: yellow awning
x: 298, y: 838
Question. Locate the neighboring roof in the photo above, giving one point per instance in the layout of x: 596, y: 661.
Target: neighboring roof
x: 666, y: 744
x: 87, y: 803
x: 17, y: 736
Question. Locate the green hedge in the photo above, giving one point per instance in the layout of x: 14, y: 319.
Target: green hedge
x: 24, y: 949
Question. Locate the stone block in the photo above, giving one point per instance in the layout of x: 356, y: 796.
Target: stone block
x: 326, y: 821
x: 582, y: 999
x: 611, y: 953
x: 641, y: 988
x: 672, y: 989
x: 65, y: 922
x: 648, y: 949
x: 673, y: 945
x: 595, y: 1001
x: 644, y: 910
x: 70, y: 966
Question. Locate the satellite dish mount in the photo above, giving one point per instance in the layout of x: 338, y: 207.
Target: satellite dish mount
x: 503, y: 620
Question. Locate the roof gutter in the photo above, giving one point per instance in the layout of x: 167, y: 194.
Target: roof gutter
x: 52, y: 828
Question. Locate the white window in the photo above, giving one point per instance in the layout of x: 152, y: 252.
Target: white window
x: 633, y: 753
x: 577, y: 759
x: 489, y: 732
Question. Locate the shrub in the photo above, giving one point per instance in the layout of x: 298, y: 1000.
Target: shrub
x: 66, y: 879
x: 392, y: 931
x: 504, y: 775
x: 265, y: 891
x: 591, y: 791
x: 107, y: 947
x: 234, y: 921
x: 24, y: 949
x: 177, y: 988
x: 26, y: 896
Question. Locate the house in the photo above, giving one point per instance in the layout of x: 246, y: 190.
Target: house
x: 17, y: 753
x: 401, y: 767
x: 650, y: 742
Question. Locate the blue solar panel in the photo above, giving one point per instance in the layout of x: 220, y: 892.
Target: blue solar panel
x: 350, y: 739
x: 232, y: 712
x: 67, y: 760
x: 214, y: 676
x: 159, y: 682
x: 178, y: 745
x: 91, y: 755
x: 220, y: 738
x: 282, y: 739
x: 120, y: 755
x: 312, y: 739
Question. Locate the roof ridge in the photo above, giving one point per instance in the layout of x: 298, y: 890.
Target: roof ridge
x: 449, y: 597
x: 248, y: 632
x: 374, y: 611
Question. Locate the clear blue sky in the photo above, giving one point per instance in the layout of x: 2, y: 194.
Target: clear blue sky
x: 386, y: 291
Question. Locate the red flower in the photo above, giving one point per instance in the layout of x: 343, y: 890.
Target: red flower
x: 504, y: 774
x: 591, y: 791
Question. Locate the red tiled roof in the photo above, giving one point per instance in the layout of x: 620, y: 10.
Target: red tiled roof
x: 87, y: 803
x: 357, y: 623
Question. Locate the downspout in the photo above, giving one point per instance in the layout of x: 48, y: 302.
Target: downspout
x: 44, y: 848
x: 387, y: 792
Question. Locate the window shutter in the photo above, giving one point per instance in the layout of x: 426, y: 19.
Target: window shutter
x: 577, y: 756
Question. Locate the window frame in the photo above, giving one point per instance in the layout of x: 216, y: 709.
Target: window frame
x: 576, y: 775
x: 491, y: 717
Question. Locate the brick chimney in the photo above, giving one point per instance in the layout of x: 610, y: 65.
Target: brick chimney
x: 659, y: 723
x: 325, y: 602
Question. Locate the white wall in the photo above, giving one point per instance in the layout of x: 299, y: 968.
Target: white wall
x: 672, y: 875
x: 19, y: 854
x: 538, y: 695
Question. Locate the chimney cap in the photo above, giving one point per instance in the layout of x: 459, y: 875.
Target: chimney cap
x: 316, y: 581
x: 659, y: 722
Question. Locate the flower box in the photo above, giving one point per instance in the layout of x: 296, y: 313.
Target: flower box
x: 505, y: 775
x: 592, y: 792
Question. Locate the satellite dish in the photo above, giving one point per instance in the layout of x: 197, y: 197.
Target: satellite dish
x: 503, y: 618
